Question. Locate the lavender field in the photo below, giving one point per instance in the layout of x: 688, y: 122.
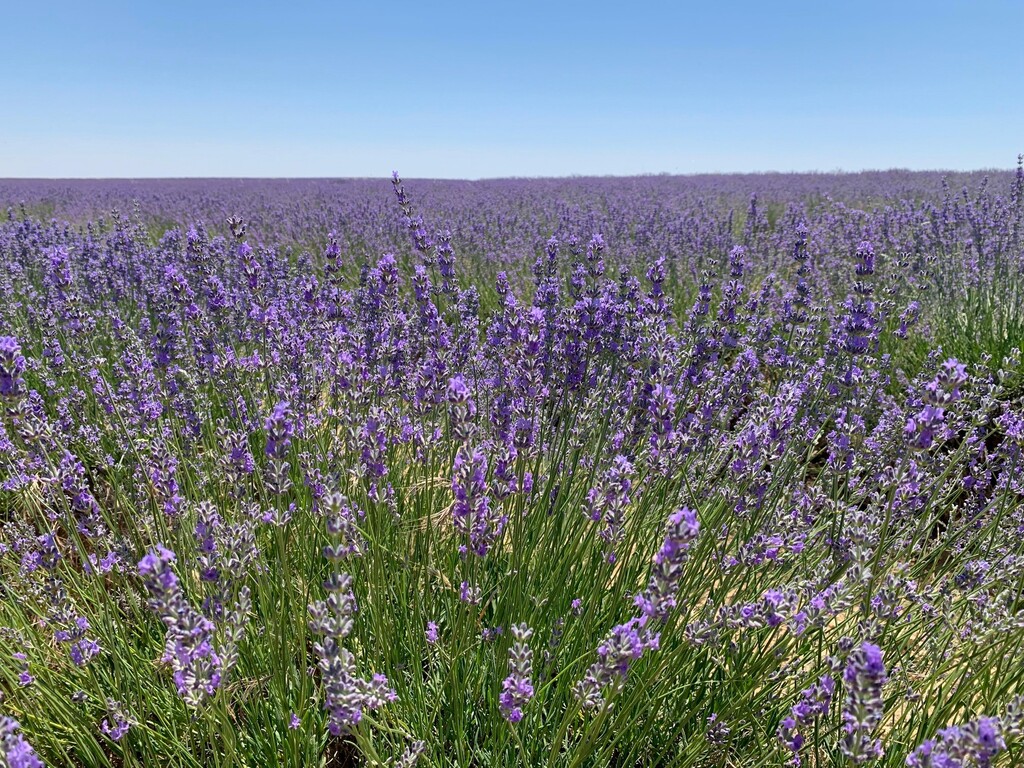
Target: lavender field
x: 656, y: 471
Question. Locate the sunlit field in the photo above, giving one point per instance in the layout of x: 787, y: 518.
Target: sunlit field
x: 655, y: 471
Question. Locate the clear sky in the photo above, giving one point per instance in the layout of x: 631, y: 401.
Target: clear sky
x: 485, y: 89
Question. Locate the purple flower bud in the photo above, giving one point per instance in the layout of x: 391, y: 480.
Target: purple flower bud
x: 431, y: 632
x: 116, y: 724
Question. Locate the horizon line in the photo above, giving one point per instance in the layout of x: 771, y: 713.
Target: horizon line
x: 656, y: 174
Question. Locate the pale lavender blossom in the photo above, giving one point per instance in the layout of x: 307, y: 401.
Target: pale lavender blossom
x: 517, y: 688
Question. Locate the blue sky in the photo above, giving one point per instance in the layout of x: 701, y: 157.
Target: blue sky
x: 485, y: 89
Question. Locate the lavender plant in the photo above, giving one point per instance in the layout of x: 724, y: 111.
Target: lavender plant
x: 664, y: 472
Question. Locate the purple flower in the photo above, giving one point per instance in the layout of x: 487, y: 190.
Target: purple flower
x: 976, y: 743
x: 461, y: 409
x: 923, y: 428
x: 280, y: 428
x: 116, y: 724
x: 865, y: 259
x: 84, y: 651
x: 25, y: 678
x: 629, y: 641
x: 625, y: 644
x: 608, y: 500
x: 374, y: 440
x: 517, y: 688
x: 431, y: 632
x: 15, y: 752
x: 163, y: 474
x: 474, y: 517
x: 410, y: 756
x: 814, y: 703
x: 197, y: 665
x: 12, y: 365
x: 346, y: 694
x: 343, y: 528
x: 863, y: 677
x: 469, y: 594
x: 659, y: 598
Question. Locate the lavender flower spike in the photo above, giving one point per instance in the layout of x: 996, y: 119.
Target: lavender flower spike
x: 862, y: 710
x: 629, y: 641
x: 197, y: 665
x: 658, y: 600
x: 12, y: 365
x: 517, y: 688
x: 280, y: 428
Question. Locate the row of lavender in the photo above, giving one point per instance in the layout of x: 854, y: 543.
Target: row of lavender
x: 593, y: 472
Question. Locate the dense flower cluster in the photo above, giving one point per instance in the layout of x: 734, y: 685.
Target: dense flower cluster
x: 350, y: 472
x: 975, y: 744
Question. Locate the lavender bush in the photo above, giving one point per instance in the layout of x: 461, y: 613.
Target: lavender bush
x: 715, y: 471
